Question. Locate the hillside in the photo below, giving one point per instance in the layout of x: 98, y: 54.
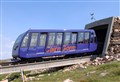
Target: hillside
x: 109, y: 72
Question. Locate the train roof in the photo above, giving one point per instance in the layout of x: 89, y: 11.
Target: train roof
x: 58, y: 30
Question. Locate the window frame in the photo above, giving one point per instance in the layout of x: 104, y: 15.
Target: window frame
x: 88, y: 40
x: 48, y: 44
x: 45, y: 39
x: 91, y: 37
x: 28, y: 36
x: 83, y: 37
x: 75, y: 38
x: 57, y: 37
x: 65, y: 38
x: 31, y: 39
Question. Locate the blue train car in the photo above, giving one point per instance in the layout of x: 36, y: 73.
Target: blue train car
x: 44, y: 43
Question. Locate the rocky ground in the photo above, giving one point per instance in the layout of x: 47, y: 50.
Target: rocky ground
x: 114, y: 46
x: 106, y: 71
x: 31, y: 76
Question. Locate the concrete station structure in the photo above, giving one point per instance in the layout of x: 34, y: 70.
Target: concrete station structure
x: 104, y: 30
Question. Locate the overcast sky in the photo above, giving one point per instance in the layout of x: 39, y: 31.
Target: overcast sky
x: 17, y: 16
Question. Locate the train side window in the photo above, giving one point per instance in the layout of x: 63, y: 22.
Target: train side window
x: 51, y: 40
x: 92, y: 38
x: 33, y: 41
x: 42, y: 39
x: 74, y: 36
x: 67, y: 38
x: 59, y: 39
x: 25, y: 40
x: 87, y: 37
x: 81, y: 37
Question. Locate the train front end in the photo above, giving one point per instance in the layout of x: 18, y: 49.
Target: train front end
x: 16, y: 46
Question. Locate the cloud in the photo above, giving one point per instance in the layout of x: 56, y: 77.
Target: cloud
x: 7, y: 44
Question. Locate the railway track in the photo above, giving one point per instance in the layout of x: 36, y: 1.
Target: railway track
x: 42, y: 65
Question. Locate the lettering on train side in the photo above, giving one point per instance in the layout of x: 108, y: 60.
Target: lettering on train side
x: 67, y: 48
x: 53, y: 49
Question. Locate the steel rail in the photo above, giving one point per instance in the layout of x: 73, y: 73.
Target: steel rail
x: 43, y: 65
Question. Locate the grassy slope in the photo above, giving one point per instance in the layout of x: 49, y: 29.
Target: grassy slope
x: 113, y: 70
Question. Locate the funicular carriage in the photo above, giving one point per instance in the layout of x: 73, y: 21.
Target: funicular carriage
x: 44, y: 43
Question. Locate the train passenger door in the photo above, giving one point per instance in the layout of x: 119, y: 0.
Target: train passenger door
x: 54, y: 43
x: 32, y: 49
x: 42, y: 43
x: 80, y: 44
x: 93, y: 45
x: 59, y: 37
x: 83, y: 41
x: 50, y: 48
x: 67, y: 45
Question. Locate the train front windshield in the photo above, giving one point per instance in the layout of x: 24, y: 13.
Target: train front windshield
x: 18, y: 40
